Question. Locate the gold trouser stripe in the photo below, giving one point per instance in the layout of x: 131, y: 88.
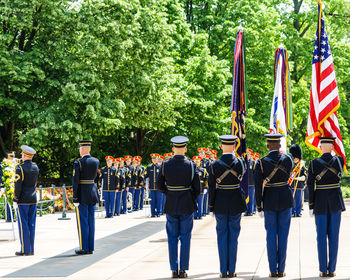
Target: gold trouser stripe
x: 21, y: 233
x: 79, y: 228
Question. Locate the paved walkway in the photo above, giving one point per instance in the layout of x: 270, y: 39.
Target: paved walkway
x: 134, y: 247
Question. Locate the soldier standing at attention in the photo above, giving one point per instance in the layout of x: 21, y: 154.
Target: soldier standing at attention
x: 203, y: 176
x: 85, y: 196
x: 274, y: 199
x: 251, y: 183
x: 227, y: 203
x: 141, y: 181
x: 151, y: 174
x: 120, y: 186
x: 24, y: 200
x: 179, y: 181
x: 109, y: 179
x: 125, y: 185
x: 326, y: 203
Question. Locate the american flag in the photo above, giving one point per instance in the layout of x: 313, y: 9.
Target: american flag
x: 324, y: 96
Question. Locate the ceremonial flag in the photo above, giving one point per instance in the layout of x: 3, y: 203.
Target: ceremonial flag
x: 281, y: 118
x: 238, y: 103
x: 324, y: 96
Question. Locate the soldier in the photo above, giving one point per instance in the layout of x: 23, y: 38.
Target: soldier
x: 297, y: 179
x: 24, y: 200
x: 85, y: 196
x: 203, y: 176
x: 151, y: 174
x: 205, y: 162
x: 138, y: 185
x: 274, y: 200
x: 251, y: 183
x: 179, y: 180
x: 120, y: 186
x: 125, y: 184
x: 128, y: 174
x: 141, y: 180
x: 162, y: 204
x: 326, y: 203
x: 109, y: 179
x: 227, y: 203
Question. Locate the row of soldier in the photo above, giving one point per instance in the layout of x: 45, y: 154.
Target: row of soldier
x: 183, y: 181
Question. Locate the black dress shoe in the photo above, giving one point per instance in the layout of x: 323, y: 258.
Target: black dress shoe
x: 174, y: 274
x: 23, y: 254
x: 90, y: 252
x: 231, y: 275
x: 81, y: 252
x: 299, y: 215
x: 223, y: 275
x: 323, y: 274
x: 331, y: 274
x: 153, y: 216
x: 281, y: 274
x: 273, y: 275
x: 182, y: 274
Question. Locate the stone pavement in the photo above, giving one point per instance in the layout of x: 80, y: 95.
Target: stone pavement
x: 134, y: 247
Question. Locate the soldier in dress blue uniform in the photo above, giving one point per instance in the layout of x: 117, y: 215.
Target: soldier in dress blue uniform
x: 251, y: 183
x: 298, y: 183
x: 138, y: 185
x: 179, y: 180
x: 128, y: 174
x: 162, y: 205
x: 141, y: 181
x: 24, y: 200
x: 125, y: 186
x: 85, y: 196
x: 109, y: 179
x: 227, y: 202
x: 326, y: 203
x: 274, y: 200
x: 203, y: 176
x: 151, y: 174
x: 120, y: 186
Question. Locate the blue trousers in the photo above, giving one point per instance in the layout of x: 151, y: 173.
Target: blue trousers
x: 26, y: 226
x: 156, y: 202
x: 86, y: 226
x: 132, y: 191
x: 136, y: 201
x: 205, y: 204
x: 297, y: 202
x: 123, y: 206
x: 142, y: 195
x: 162, y: 204
x: 179, y: 227
x: 109, y: 197
x: 250, y: 205
x: 327, y: 227
x: 277, y: 225
x: 227, y: 230
x: 199, y: 212
x: 118, y: 201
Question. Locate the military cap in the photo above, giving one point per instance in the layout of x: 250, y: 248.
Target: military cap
x: 328, y: 139
x: 273, y: 137
x: 202, y: 150
x: 207, y: 156
x: 120, y: 159
x: 86, y: 143
x: 161, y: 157
x: 167, y: 156
x: 249, y: 151
x: 128, y: 158
x: 196, y: 158
x: 296, y: 151
x: 228, y: 139
x: 28, y: 151
x: 135, y: 159
x: 139, y: 158
x: 107, y: 158
x: 209, y: 151
x: 154, y: 155
x: 179, y: 141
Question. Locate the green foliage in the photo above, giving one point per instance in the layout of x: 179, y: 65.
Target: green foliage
x: 132, y: 74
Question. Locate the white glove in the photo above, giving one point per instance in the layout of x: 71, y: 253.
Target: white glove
x: 76, y: 204
x: 205, y: 191
x: 212, y: 214
x: 261, y: 214
x: 15, y: 205
x: 2, y: 191
x: 311, y: 212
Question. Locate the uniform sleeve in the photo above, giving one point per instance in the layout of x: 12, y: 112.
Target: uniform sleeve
x: 141, y: 177
x: 116, y: 179
x: 146, y: 173
x: 75, y: 180
x: 311, y: 185
x: 100, y: 178
x: 206, y: 175
x: 19, y: 177
x: 212, y: 188
x: 259, y: 179
x: 161, y: 186
x: 196, y: 182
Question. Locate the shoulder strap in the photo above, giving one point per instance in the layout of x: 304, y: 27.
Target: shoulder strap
x: 327, y: 166
x: 192, y: 174
x: 229, y: 170
x: 277, y: 167
x: 80, y: 165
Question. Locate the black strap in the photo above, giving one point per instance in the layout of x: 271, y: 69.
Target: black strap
x: 327, y: 166
x: 274, y: 171
x: 229, y: 170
